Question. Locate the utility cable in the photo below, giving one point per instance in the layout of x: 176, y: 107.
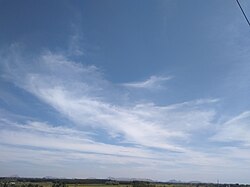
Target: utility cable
x: 243, y: 12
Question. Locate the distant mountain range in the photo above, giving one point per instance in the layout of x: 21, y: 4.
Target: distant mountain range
x: 49, y: 177
x: 129, y: 179
x: 13, y: 176
x: 125, y: 179
x: 174, y: 181
x: 148, y: 180
x: 179, y: 181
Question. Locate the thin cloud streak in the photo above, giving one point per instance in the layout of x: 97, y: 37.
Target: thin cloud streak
x: 60, y: 138
x: 153, y: 83
x: 235, y: 130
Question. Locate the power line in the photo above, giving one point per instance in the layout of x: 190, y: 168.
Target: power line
x: 243, y: 12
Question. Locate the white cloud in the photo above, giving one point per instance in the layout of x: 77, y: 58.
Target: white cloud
x: 55, y: 145
x: 80, y: 93
x: 42, y: 135
x: 136, y: 132
x: 154, y: 82
x: 235, y: 130
x: 76, y: 41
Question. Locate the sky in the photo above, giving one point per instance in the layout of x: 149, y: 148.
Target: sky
x: 153, y: 89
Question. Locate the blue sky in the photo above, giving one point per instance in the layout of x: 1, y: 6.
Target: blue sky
x: 147, y: 89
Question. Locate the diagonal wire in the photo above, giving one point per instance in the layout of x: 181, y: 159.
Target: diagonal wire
x: 243, y: 12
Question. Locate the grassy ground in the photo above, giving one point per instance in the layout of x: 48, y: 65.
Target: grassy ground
x: 96, y: 185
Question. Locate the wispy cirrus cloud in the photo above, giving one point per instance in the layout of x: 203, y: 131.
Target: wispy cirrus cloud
x: 80, y: 94
x: 153, y: 83
x: 42, y: 135
x: 235, y: 130
x: 105, y: 131
x: 58, y: 145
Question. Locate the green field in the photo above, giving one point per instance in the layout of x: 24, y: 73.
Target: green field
x: 96, y: 185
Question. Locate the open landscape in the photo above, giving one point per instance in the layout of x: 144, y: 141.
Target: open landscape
x: 124, y: 93
x: 38, y: 182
